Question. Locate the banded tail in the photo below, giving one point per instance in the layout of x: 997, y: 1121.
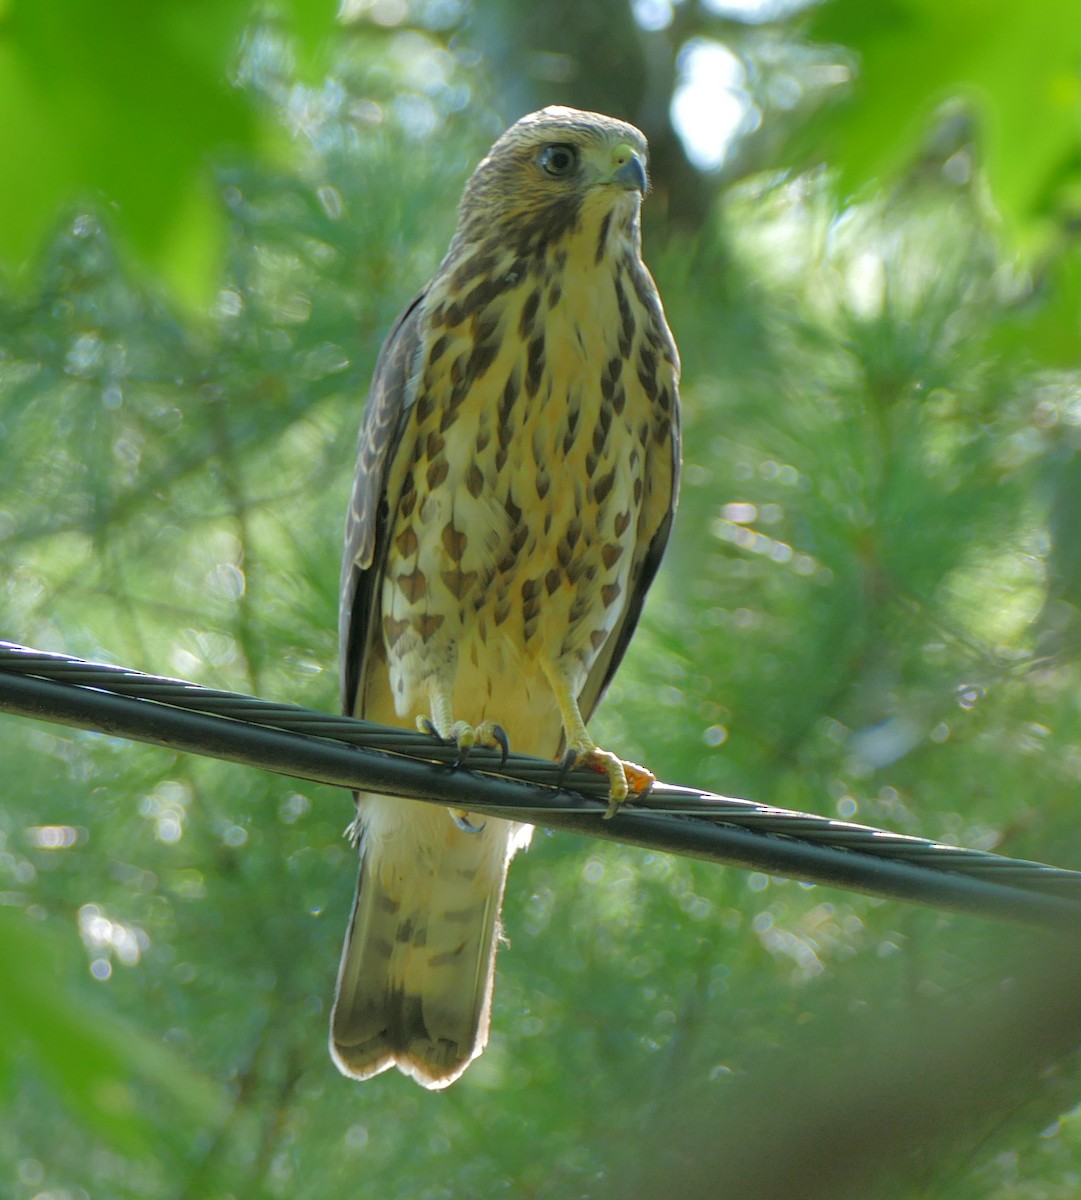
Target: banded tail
x: 415, y: 982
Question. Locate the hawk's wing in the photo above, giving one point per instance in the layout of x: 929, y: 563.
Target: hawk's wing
x: 614, y: 648
x: 389, y: 400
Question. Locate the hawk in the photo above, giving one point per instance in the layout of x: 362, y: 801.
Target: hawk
x: 515, y: 485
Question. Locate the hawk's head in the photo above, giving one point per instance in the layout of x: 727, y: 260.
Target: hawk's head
x: 555, y: 173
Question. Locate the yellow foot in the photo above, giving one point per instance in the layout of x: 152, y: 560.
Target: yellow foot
x: 465, y: 737
x: 624, y: 778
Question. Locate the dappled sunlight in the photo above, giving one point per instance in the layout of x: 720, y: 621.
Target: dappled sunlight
x: 167, y: 808
x: 54, y: 837
x: 117, y: 940
x: 711, y: 107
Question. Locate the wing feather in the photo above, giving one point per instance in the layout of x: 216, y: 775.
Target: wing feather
x: 389, y: 401
x: 615, y: 647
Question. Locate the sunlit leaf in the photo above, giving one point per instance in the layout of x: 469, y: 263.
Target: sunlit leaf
x: 1015, y: 63
x: 126, y: 105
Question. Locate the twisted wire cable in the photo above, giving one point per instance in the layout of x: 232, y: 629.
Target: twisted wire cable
x: 304, y: 743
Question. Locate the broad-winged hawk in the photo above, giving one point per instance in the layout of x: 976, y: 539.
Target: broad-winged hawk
x: 515, y: 486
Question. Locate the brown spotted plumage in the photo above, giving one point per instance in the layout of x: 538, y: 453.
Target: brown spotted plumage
x: 515, y: 485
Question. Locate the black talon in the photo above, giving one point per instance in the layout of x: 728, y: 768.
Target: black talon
x: 568, y: 762
x: 462, y: 755
x: 465, y: 824
x: 500, y: 735
x: 427, y: 726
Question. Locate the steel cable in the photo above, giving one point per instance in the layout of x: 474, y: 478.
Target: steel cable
x: 307, y: 744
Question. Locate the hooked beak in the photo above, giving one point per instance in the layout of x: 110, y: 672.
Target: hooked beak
x: 630, y: 171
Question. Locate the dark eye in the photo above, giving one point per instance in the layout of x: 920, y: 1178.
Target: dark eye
x: 559, y: 160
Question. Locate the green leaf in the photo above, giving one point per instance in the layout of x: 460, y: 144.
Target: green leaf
x: 126, y: 104
x: 1015, y: 63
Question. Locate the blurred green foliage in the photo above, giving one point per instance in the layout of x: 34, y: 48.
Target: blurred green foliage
x: 129, y: 103
x: 870, y: 610
x: 1015, y: 64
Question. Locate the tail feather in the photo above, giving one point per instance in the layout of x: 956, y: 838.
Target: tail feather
x: 415, y: 982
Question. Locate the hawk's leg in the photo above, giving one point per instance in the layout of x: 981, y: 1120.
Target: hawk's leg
x: 624, y: 778
x: 441, y: 724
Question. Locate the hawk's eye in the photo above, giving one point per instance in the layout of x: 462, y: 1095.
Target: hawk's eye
x: 559, y: 160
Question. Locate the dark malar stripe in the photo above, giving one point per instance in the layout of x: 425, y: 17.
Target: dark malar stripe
x: 602, y: 238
